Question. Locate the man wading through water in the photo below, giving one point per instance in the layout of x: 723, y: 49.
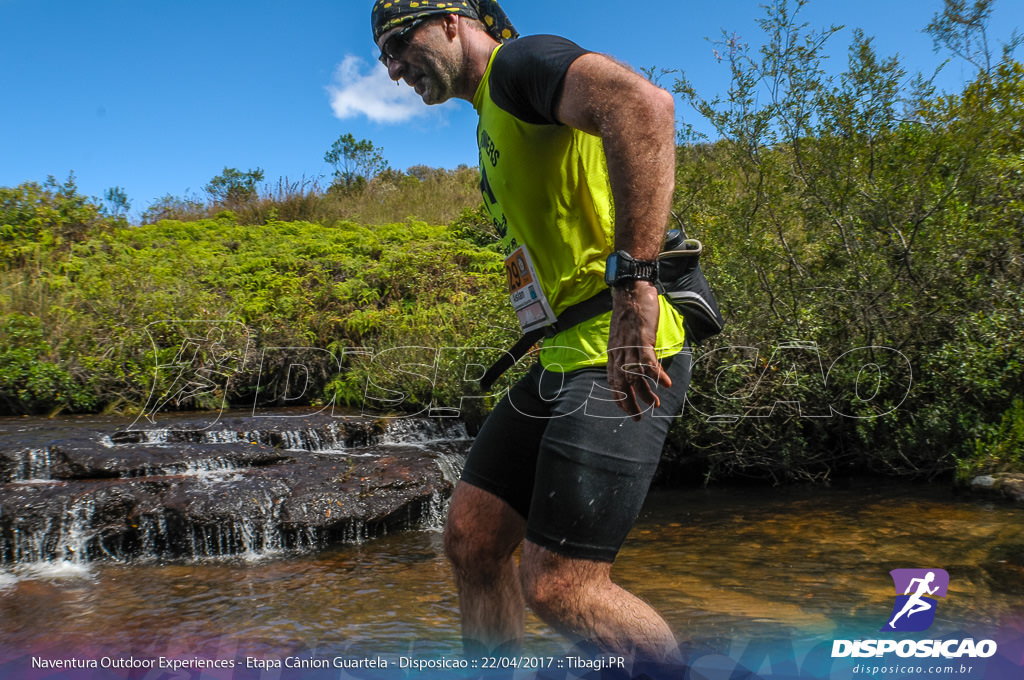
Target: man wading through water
x: 577, y: 161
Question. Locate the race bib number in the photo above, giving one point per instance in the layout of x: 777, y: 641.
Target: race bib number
x: 528, y: 299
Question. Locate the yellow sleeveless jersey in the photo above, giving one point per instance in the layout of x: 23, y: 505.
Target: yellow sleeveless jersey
x: 546, y: 187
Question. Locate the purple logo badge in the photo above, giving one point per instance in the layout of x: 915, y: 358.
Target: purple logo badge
x: 916, y: 590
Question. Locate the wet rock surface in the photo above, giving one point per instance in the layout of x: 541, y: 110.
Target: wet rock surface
x: 189, y: 489
x: 1005, y: 484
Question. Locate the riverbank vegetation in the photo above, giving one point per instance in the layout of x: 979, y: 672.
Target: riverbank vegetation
x: 864, y: 234
x: 865, y: 210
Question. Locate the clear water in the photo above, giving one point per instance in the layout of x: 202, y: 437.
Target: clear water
x: 719, y: 564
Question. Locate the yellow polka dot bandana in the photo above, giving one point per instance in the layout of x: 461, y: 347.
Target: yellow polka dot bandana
x: 389, y: 14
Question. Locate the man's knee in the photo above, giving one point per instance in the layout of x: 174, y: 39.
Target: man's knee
x: 544, y: 593
x: 554, y: 585
x: 482, y: 531
x: 464, y: 543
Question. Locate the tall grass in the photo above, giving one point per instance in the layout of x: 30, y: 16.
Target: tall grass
x: 431, y: 195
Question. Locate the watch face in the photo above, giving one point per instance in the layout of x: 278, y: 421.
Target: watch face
x: 620, y: 266
x: 611, y: 268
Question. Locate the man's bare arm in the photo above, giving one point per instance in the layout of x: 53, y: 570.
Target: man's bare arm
x: 636, y: 122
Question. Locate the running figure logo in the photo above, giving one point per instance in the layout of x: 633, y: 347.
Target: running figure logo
x: 916, y: 590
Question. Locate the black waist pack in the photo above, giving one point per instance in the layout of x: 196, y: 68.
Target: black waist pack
x: 683, y: 283
x: 680, y: 280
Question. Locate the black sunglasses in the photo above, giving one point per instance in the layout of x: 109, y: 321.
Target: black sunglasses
x: 396, y: 45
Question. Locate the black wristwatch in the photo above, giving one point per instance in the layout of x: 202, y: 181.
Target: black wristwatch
x: 621, y: 267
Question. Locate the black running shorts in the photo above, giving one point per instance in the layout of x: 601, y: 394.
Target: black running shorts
x: 567, y: 459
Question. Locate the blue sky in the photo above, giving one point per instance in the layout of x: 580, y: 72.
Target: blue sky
x: 159, y: 97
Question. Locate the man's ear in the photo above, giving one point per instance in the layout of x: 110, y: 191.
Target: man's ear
x: 452, y: 25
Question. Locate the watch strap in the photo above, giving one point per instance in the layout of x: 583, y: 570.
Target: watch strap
x: 622, y: 267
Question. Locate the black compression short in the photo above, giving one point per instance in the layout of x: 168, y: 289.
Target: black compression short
x: 567, y: 459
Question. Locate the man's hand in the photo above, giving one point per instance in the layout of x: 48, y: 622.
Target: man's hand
x: 633, y: 367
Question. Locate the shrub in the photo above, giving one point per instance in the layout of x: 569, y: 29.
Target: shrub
x: 30, y: 379
x: 999, y: 449
x: 35, y: 218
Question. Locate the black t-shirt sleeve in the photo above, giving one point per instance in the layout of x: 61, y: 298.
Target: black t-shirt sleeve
x: 528, y: 74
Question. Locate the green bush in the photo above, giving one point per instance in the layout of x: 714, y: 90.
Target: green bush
x: 38, y: 217
x: 30, y: 380
x: 999, y: 449
x: 848, y: 212
x: 119, y: 308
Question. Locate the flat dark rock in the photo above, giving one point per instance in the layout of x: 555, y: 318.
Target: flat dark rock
x: 195, y: 489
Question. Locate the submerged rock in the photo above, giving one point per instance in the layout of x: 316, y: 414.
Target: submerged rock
x: 1005, y: 484
x: 78, y: 492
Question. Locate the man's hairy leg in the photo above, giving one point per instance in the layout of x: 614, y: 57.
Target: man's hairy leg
x: 579, y: 599
x: 481, y: 537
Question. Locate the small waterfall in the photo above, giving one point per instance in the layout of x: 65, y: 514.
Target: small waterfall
x: 206, y: 469
x: 32, y: 465
x: 216, y: 493
x: 435, y: 513
x: 156, y: 437
x: 451, y: 464
x: 77, y: 532
x: 423, y: 431
x: 30, y: 546
x: 355, y: 532
x: 67, y: 538
x: 324, y: 438
x: 261, y: 534
x: 307, y: 539
x: 154, y: 534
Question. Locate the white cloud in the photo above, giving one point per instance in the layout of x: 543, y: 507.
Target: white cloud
x: 373, y: 95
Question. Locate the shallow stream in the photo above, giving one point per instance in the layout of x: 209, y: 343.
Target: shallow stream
x: 719, y: 564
